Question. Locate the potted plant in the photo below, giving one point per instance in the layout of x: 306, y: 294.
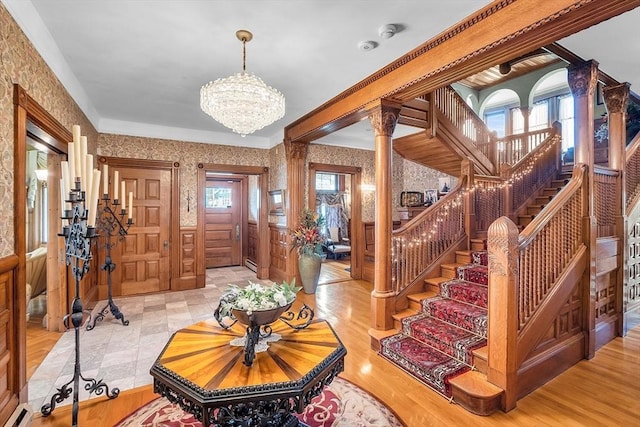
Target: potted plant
x: 308, y: 241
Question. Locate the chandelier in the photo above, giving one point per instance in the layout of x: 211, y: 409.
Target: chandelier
x: 242, y: 102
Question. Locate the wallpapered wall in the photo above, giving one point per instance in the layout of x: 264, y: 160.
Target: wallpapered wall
x: 189, y: 155
x: 20, y: 63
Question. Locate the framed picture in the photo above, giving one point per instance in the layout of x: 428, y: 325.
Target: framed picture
x: 444, y: 184
x: 411, y: 198
x: 276, y: 202
x: 430, y: 196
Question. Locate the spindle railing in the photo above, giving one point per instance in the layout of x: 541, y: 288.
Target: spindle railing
x: 548, y: 244
x: 632, y: 173
x: 452, y: 106
x: 419, y: 243
x: 607, y: 205
x: 511, y: 148
x: 532, y: 172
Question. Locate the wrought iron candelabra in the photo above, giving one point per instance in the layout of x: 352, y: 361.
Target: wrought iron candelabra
x: 110, y: 222
x: 77, y: 235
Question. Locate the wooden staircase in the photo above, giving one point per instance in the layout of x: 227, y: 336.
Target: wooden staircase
x: 471, y: 389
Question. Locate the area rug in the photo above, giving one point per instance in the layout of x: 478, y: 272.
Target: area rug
x: 341, y: 404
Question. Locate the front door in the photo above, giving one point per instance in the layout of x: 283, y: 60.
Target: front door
x: 223, y: 223
x: 143, y: 257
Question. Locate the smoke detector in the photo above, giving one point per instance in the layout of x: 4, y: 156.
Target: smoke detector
x: 367, y: 45
x: 387, y: 31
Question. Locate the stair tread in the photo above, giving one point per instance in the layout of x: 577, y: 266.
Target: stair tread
x: 482, y: 352
x: 419, y: 296
x: 476, y: 384
x: 407, y: 312
x: 437, y: 280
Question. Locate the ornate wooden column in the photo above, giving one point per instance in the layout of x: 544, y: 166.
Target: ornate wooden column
x: 583, y: 79
x: 384, y: 117
x: 296, y: 154
x: 616, y: 98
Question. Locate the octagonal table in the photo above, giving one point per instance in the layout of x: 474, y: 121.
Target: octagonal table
x: 201, y: 371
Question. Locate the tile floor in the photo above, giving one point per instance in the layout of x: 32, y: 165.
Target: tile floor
x: 122, y: 355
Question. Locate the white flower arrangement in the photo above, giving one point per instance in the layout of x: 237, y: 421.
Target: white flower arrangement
x: 257, y: 297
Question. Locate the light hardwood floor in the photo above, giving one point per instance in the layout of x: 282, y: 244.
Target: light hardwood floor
x: 602, y: 391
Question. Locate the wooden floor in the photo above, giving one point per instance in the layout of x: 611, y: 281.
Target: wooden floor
x: 602, y: 391
x: 335, y: 271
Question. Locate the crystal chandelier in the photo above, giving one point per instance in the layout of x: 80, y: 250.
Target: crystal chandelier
x: 242, y: 102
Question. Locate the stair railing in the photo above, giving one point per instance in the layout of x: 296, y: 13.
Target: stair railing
x: 531, y: 276
x: 632, y: 173
x: 607, y: 187
x: 512, y: 148
x: 532, y: 172
x: 418, y: 244
x: 452, y: 106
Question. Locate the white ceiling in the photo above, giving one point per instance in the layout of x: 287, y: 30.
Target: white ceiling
x: 136, y: 67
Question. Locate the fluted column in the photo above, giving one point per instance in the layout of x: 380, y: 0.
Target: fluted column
x: 383, y: 117
x: 296, y: 154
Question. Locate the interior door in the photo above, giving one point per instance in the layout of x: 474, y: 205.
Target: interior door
x: 223, y: 223
x: 143, y: 257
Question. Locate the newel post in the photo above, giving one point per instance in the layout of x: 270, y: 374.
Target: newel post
x: 502, y: 246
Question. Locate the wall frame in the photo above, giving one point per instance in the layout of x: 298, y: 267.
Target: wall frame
x: 277, y: 202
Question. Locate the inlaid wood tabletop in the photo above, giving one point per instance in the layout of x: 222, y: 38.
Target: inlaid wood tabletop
x: 201, y: 368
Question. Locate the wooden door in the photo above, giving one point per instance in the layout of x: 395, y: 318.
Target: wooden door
x: 223, y: 223
x: 143, y: 257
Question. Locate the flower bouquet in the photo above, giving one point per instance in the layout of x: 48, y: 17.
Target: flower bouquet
x: 307, y: 238
x: 256, y: 303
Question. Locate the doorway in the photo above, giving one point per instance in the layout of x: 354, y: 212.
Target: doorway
x: 334, y: 192
x: 225, y: 239
x: 224, y: 220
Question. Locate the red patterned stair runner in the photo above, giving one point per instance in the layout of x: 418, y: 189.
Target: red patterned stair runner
x: 437, y: 343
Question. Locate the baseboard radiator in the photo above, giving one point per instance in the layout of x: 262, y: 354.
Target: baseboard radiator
x: 251, y: 265
x: 21, y: 417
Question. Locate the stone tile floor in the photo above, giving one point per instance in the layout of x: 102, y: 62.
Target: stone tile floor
x: 122, y: 355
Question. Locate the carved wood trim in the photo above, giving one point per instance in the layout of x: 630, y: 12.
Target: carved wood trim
x: 488, y: 37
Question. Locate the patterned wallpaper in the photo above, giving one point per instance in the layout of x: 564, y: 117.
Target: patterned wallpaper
x: 343, y: 156
x: 189, y: 155
x: 20, y: 63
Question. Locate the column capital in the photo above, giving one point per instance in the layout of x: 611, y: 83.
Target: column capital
x: 296, y: 149
x: 616, y: 97
x: 384, y: 117
x: 583, y: 78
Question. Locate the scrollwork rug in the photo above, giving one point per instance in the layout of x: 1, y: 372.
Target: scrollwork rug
x: 341, y: 404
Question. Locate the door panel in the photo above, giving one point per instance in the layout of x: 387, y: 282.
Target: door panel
x: 223, y: 224
x: 144, y: 257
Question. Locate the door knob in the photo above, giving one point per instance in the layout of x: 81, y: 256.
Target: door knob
x: 237, y: 231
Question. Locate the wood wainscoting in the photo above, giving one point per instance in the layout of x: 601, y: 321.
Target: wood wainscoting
x: 187, y: 276
x: 12, y: 343
x: 278, y: 252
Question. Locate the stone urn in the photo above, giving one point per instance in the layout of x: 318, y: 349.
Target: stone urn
x: 309, y: 266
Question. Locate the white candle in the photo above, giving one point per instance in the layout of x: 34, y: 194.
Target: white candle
x: 130, y: 204
x: 116, y: 184
x: 105, y: 179
x: 93, y: 205
x: 76, y: 133
x: 78, y: 159
x: 88, y: 171
x: 65, y: 178
x: 85, y: 177
x: 71, y: 155
x: 124, y: 196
